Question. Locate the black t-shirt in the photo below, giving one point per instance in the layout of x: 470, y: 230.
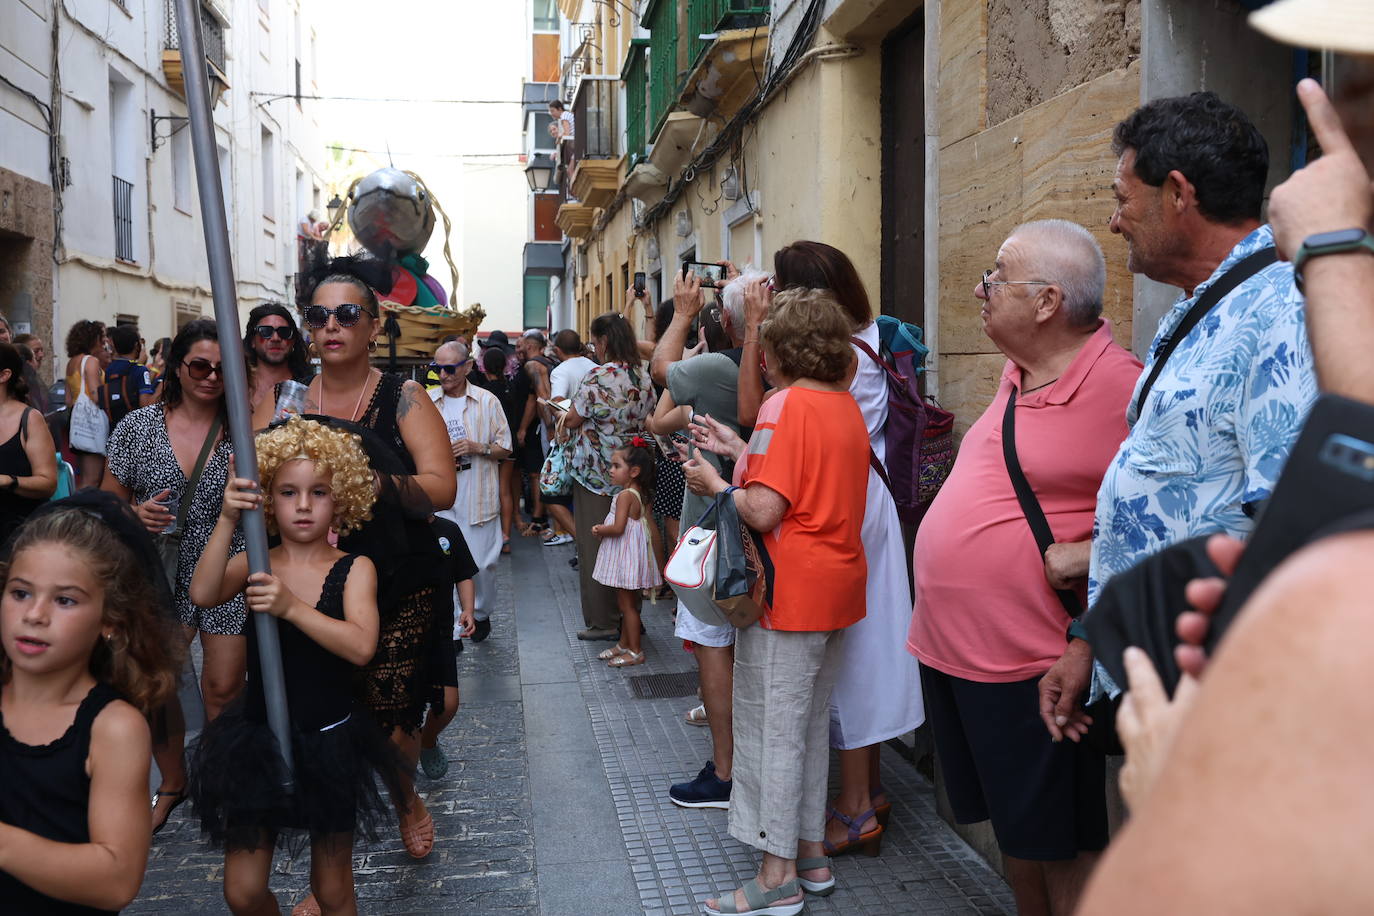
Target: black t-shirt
x: 451, y: 541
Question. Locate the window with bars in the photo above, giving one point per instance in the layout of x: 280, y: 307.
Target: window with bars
x: 660, y: 16
x: 635, y: 76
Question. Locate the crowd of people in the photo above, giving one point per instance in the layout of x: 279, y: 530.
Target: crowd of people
x: 390, y: 502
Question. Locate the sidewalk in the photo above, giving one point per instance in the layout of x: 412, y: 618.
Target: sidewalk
x: 556, y: 803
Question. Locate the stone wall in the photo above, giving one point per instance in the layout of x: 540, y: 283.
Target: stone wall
x: 26, y: 265
x: 1001, y: 164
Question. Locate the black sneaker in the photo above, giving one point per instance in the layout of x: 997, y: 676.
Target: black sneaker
x: 482, y: 632
x: 706, y: 791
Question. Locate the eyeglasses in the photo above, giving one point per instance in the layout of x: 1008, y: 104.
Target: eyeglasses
x: 201, y: 369
x: 285, y: 332
x: 987, y: 292
x: 347, y: 315
x: 449, y: 368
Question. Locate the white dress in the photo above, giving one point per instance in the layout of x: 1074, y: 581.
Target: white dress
x: 877, y: 693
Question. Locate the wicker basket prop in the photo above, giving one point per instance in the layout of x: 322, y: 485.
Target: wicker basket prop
x: 423, y: 328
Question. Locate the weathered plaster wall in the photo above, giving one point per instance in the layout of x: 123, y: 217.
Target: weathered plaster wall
x: 1040, y: 48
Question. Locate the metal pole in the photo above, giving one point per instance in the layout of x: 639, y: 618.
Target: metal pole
x: 235, y: 376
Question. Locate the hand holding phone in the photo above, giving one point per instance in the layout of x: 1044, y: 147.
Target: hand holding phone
x: 711, y: 275
x: 640, y: 284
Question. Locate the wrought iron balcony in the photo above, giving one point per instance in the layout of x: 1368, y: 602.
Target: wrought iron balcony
x: 705, y: 17
x: 212, y: 36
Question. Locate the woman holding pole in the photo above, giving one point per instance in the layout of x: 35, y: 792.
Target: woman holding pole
x: 342, y: 315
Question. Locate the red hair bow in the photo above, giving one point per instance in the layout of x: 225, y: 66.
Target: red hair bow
x: 639, y: 442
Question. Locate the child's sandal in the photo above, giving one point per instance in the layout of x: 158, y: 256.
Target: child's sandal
x: 611, y: 653
x: 627, y: 659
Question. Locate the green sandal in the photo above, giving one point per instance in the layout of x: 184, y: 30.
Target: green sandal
x: 819, y: 888
x: 761, y: 902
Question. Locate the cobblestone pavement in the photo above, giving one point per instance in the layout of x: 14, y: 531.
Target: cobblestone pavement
x: 555, y: 801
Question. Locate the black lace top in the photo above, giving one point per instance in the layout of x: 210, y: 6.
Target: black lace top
x: 381, y: 416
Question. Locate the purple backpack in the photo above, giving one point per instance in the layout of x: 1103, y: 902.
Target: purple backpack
x: 919, y: 434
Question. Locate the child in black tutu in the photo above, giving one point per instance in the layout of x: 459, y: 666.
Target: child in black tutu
x: 314, y: 479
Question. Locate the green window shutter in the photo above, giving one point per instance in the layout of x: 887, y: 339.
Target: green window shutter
x: 536, y: 309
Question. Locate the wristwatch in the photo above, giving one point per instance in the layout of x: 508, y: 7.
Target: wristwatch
x: 486, y: 450
x: 1338, y: 242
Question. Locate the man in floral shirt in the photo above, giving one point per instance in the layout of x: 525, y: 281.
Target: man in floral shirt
x: 1212, y: 433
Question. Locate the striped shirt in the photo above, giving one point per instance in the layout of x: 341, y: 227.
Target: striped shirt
x: 478, y: 416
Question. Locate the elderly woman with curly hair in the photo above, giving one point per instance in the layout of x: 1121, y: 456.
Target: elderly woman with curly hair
x: 802, y: 480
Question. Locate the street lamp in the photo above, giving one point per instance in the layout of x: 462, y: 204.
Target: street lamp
x: 334, y: 206
x: 540, y: 172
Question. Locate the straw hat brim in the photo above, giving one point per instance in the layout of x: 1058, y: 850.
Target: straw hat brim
x: 1340, y: 25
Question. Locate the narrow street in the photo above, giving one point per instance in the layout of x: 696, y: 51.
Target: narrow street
x: 556, y: 801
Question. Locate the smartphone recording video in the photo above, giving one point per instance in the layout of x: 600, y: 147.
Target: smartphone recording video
x: 711, y: 275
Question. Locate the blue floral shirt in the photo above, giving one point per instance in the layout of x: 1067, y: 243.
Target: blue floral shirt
x: 1216, y: 427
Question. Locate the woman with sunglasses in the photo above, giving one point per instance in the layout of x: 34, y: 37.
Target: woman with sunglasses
x: 154, y: 454
x: 402, y: 680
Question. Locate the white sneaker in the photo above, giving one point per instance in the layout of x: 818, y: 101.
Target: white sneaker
x: 558, y: 540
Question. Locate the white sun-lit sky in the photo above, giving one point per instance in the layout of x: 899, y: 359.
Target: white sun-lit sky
x: 420, y: 50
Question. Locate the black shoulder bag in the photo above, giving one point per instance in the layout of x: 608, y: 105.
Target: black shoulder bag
x: 1102, y: 733
x: 1226, y: 284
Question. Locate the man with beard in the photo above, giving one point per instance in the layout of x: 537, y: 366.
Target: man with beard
x: 275, y: 349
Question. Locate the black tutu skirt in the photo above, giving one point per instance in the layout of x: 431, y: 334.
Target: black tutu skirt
x: 237, y: 776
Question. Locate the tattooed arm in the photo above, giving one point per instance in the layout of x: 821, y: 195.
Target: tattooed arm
x: 426, y: 438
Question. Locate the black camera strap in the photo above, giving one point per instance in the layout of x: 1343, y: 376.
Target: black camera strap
x: 1243, y: 270
x: 1030, y: 506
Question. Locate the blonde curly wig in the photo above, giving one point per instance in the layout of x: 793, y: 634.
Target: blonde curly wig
x: 335, y: 452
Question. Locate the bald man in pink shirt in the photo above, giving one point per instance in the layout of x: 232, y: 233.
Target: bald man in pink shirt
x: 988, y: 622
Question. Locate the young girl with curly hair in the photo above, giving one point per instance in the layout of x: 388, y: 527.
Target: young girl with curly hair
x: 626, y: 559
x: 314, y: 479
x: 89, y: 649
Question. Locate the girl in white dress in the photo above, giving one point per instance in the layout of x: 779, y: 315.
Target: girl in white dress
x: 626, y: 558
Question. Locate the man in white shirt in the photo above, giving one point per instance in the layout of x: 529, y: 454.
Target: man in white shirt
x: 480, y: 438
x: 572, y: 366
x: 564, y: 380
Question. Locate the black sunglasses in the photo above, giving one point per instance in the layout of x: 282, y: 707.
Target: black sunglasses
x: 265, y: 331
x: 347, y: 315
x: 201, y: 369
x: 449, y: 368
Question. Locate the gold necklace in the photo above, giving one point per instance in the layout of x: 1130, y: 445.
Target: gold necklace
x: 353, y: 416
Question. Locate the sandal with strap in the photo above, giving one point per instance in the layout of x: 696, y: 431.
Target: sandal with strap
x: 626, y: 659
x: 871, y: 842
x: 179, y: 796
x: 418, y: 838
x: 819, y: 888
x: 307, y: 907
x: 696, y: 715
x: 612, y: 652
x: 760, y: 900
x: 882, y: 812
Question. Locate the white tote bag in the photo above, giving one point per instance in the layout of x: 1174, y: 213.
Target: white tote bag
x: 90, y: 426
x: 691, y: 571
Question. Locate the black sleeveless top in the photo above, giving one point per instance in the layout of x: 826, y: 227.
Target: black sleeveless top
x: 318, y: 682
x: 381, y: 417
x: 45, y: 790
x: 15, y: 461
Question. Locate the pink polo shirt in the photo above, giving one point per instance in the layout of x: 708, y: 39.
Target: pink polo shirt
x: 984, y: 611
